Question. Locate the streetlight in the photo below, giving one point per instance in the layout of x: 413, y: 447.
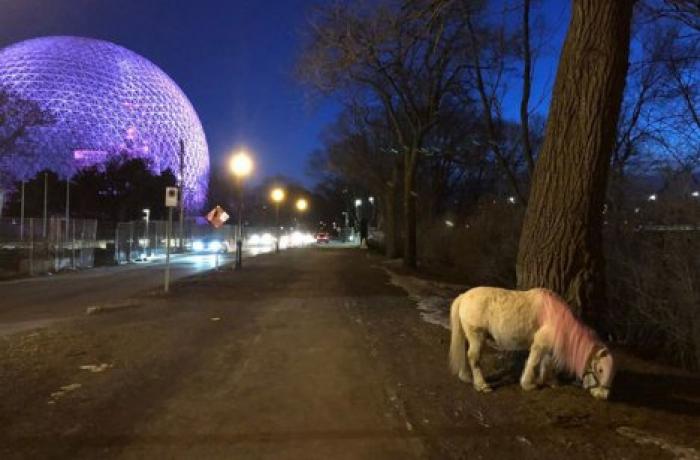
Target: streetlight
x: 302, y: 205
x: 358, y: 204
x: 241, y: 166
x: 277, y: 195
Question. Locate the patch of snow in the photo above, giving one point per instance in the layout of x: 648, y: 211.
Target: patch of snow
x: 433, y: 298
x: 56, y: 395
x: 644, y: 438
x: 95, y: 368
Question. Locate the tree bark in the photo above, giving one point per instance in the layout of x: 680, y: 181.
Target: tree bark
x: 561, y: 241
x: 391, y: 222
x: 390, y: 234
x: 409, y: 210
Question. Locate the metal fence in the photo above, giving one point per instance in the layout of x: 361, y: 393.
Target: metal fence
x: 141, y: 240
x: 37, y: 245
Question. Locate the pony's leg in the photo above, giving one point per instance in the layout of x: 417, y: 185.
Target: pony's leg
x: 548, y: 375
x: 527, y: 379
x: 464, y: 374
x: 476, y: 339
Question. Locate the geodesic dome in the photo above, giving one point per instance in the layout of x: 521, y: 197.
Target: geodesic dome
x: 106, y: 100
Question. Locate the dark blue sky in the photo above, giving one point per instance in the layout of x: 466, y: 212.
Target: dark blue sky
x: 234, y: 60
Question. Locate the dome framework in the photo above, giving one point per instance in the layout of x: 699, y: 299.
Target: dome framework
x: 106, y: 100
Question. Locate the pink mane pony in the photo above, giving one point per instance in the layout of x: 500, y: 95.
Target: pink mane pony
x: 537, y: 320
x: 572, y: 342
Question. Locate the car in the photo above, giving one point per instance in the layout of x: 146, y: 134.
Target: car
x: 323, y: 237
x: 209, y: 245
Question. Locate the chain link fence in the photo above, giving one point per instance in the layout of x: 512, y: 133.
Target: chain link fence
x: 144, y: 240
x: 35, y: 245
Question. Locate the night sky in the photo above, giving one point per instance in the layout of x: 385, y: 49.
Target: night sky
x: 234, y: 60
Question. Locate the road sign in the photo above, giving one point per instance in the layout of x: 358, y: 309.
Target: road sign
x: 171, y: 197
x: 217, y: 217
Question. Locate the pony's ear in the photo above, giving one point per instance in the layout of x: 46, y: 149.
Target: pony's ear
x: 602, y: 353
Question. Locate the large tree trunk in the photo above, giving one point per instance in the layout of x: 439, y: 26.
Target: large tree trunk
x: 409, y: 211
x: 391, y: 232
x: 561, y: 241
x: 391, y: 249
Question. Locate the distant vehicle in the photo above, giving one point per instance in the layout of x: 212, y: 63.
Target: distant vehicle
x: 323, y: 237
x: 209, y: 245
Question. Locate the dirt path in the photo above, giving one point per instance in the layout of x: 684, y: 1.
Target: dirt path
x: 306, y: 354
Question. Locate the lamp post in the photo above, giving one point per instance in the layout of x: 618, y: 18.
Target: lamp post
x: 358, y: 205
x: 241, y: 166
x: 146, y: 217
x: 277, y: 195
x: 302, y: 205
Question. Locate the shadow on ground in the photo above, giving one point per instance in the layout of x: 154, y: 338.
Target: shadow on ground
x: 668, y: 393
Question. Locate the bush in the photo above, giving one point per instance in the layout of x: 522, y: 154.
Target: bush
x: 481, y: 248
x: 654, y: 293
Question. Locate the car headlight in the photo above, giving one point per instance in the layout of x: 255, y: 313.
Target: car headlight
x: 198, y: 246
x: 215, y: 246
x: 254, y: 239
x: 267, y: 239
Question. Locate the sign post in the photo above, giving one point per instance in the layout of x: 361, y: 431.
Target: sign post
x: 217, y: 217
x: 171, y: 200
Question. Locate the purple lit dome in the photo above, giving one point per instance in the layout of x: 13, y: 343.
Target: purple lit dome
x: 106, y: 99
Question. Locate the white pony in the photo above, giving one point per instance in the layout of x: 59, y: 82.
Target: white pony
x: 537, y: 320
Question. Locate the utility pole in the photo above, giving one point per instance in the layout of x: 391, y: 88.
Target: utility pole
x: 46, y: 189
x: 168, y: 226
x: 21, y: 214
x: 239, y: 240
x: 67, y: 207
x: 182, y: 195
x: 170, y: 202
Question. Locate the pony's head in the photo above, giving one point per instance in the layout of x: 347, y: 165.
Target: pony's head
x: 599, y: 374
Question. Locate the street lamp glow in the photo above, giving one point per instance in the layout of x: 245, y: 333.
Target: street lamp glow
x: 302, y: 204
x: 241, y: 164
x: 652, y: 197
x: 277, y: 195
x: 371, y: 200
x: 358, y: 202
x: 696, y: 194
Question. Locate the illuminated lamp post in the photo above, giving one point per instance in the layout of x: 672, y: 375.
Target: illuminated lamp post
x: 277, y: 195
x: 302, y: 205
x: 147, y: 218
x: 241, y: 166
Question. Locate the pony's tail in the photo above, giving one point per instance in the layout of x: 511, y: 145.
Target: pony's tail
x: 458, y: 342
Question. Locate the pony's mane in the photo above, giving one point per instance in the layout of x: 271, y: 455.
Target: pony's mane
x: 572, y: 342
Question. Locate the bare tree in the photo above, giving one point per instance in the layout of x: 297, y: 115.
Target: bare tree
x: 561, y: 242
x: 356, y: 149
x: 403, y: 55
x: 527, y: 83
x: 488, y: 49
x: 17, y: 117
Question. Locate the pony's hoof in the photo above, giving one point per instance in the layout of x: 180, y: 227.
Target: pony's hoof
x: 483, y: 388
x: 464, y: 377
x: 528, y: 386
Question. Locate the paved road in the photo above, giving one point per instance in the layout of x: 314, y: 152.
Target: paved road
x: 308, y: 354
x: 29, y: 302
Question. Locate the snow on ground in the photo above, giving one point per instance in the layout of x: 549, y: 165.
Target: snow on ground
x: 433, y: 298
